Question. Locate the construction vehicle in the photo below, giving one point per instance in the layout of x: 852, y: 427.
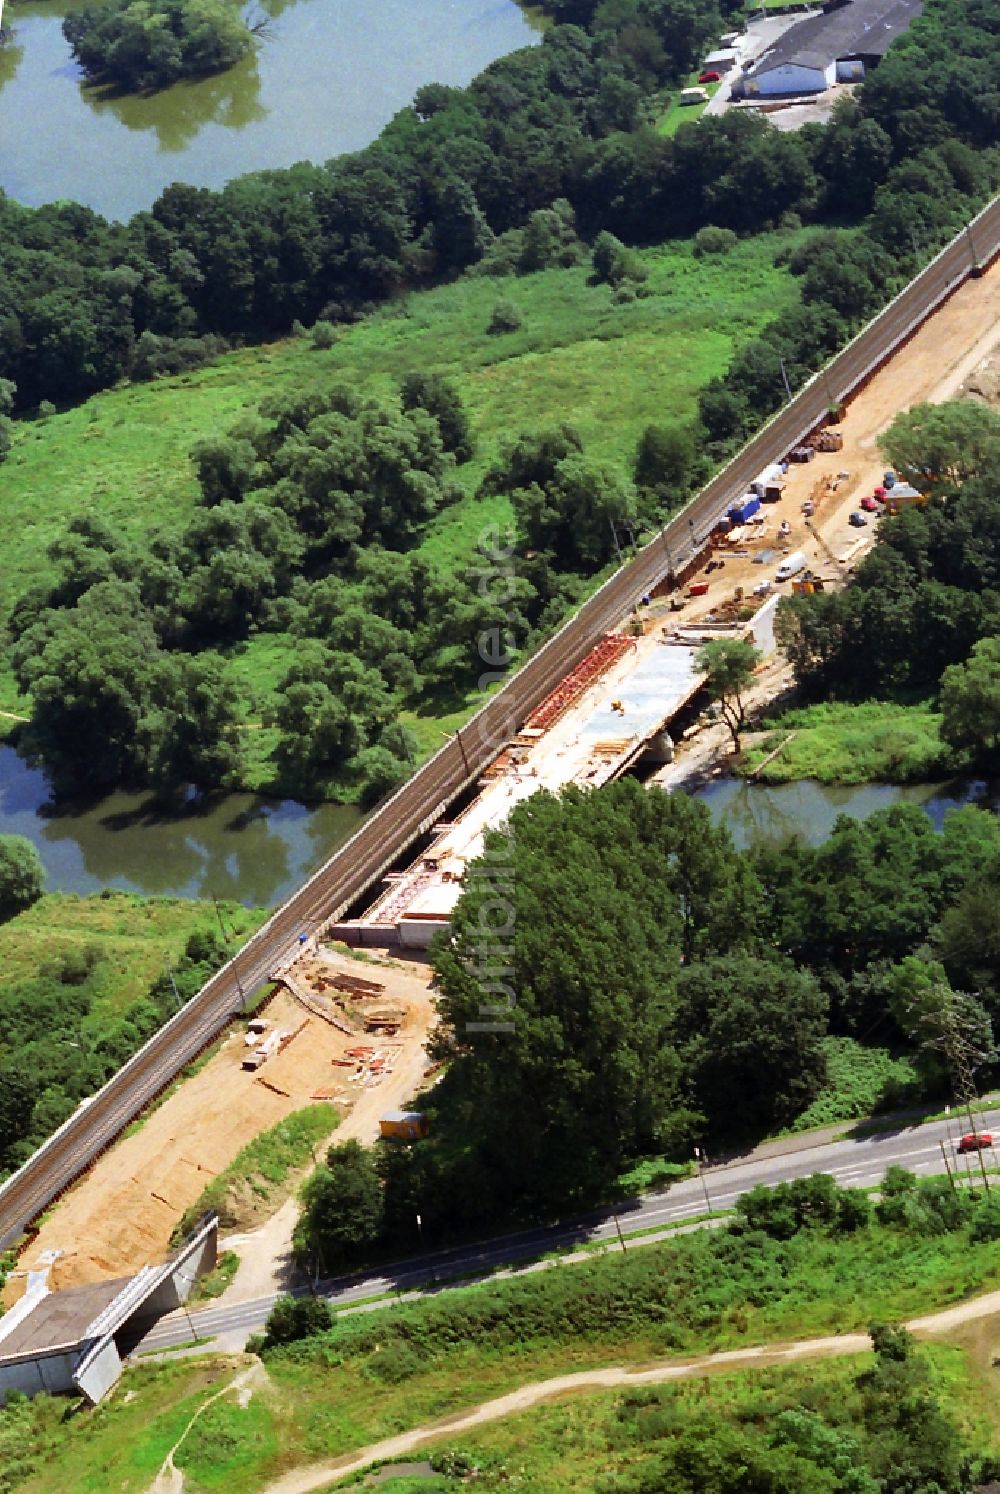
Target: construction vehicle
x: 808, y: 584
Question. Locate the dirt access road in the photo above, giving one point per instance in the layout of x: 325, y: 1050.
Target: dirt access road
x: 932, y: 367
x: 323, y: 1475
x: 120, y: 1216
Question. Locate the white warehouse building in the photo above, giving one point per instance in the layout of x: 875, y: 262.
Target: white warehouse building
x: 837, y: 46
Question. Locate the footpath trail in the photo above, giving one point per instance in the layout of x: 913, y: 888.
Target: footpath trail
x: 320, y: 1476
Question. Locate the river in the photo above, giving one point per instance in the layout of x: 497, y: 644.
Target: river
x: 759, y: 812
x: 258, y: 850
x: 325, y: 77
x: 239, y: 846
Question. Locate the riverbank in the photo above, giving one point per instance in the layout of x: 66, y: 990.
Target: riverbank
x: 844, y: 743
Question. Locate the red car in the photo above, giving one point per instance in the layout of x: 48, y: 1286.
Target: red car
x: 870, y: 505
x: 975, y: 1141
x: 709, y: 77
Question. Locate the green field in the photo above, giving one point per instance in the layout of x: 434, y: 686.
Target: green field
x: 609, y: 369
x: 876, y: 742
x: 380, y: 1372
x: 132, y: 935
x: 678, y: 113
x: 574, y: 1442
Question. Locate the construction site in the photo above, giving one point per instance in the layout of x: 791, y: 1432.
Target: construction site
x: 353, y: 1030
x: 335, y: 1029
x: 628, y: 705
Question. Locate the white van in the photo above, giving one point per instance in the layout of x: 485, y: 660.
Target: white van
x: 790, y: 566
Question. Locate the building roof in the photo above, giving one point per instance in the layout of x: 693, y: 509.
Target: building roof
x: 60, y: 1320
x: 861, y: 28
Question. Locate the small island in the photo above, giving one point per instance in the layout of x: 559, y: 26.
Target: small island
x: 141, y: 45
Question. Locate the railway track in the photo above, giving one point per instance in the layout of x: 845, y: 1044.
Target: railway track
x: 397, y: 823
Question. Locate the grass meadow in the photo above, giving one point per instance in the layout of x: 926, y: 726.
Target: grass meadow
x: 382, y: 1371
x: 134, y: 936
x: 838, y: 742
x: 610, y: 370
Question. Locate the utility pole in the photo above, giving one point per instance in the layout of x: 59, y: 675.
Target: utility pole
x: 666, y: 546
x: 784, y: 377
x: 701, y: 1160
x: 218, y: 914
x: 457, y: 736
x: 831, y: 398
x: 614, y: 535
x: 952, y: 1032
x: 972, y: 246
x: 947, y: 1165
x: 173, y: 984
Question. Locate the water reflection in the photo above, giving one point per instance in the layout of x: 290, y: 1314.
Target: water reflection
x: 236, y: 846
x: 325, y: 77
x: 10, y: 56
x: 755, y: 813
x: 175, y: 115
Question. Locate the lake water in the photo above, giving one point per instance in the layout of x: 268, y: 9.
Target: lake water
x: 241, y: 846
x: 326, y: 76
x: 760, y: 812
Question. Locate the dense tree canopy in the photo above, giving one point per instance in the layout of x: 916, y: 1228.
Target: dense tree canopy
x: 939, y: 448
x: 22, y: 876
x: 560, y: 130
x: 144, y: 44
x: 60, y: 1040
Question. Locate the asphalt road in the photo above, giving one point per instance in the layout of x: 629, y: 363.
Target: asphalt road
x: 855, y: 1162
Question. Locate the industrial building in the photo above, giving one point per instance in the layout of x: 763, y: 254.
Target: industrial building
x: 839, y: 45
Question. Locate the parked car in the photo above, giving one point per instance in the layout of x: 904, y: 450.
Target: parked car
x: 858, y: 520
x: 870, y: 505
x: 975, y: 1141
x: 709, y: 76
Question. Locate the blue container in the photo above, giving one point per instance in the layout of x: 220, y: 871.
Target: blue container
x: 741, y: 512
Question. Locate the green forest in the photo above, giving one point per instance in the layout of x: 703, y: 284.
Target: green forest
x: 620, y: 982
x: 316, y: 505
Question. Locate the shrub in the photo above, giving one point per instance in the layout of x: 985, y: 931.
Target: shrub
x: 712, y: 240
x: 986, y: 1223
x: 324, y: 335
x: 805, y: 1203
x: 293, y: 1318
x: 505, y: 317
x: 923, y: 1206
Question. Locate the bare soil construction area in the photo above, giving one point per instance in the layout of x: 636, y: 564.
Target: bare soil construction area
x: 954, y: 355
x: 933, y: 366
x: 121, y: 1214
